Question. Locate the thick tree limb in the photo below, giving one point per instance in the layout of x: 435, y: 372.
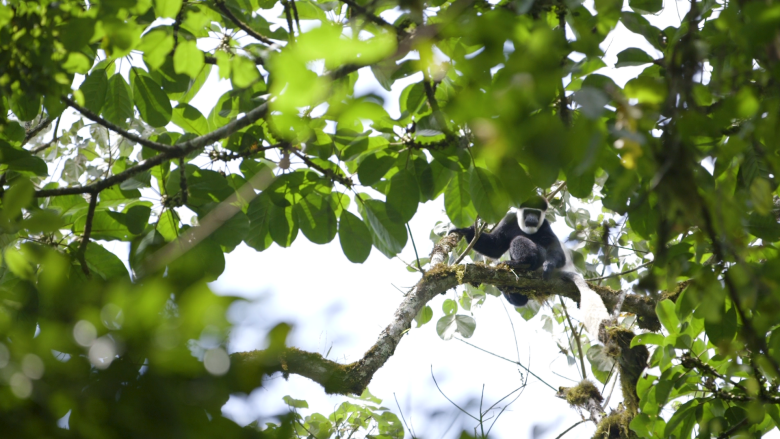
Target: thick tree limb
x: 354, y: 377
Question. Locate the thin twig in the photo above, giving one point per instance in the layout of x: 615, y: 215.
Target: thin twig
x: 621, y: 273
x: 87, y: 231
x: 616, y: 246
x: 555, y: 191
x: 576, y: 338
x: 402, y: 415
x: 295, y: 14
x: 369, y: 16
x: 288, y: 14
x: 40, y: 148
x: 328, y: 172
x: 448, y: 399
x: 511, y: 361
x: 243, y: 26
x: 572, y: 427
x: 477, y: 232
x: 419, y: 267
x: 183, y: 181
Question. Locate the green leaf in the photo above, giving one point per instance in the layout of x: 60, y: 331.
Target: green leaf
x: 21, y: 160
x: 167, y: 8
x: 529, y: 310
x: 316, y: 218
x: 487, y: 194
x: 25, y: 107
x: 152, y: 103
x: 137, y: 219
x: 682, y: 421
x: 633, y: 57
x: 374, y: 166
x: 648, y: 338
x: 354, y: 237
x: 646, y: 6
x: 722, y: 331
x: 296, y: 403
x: 156, y: 45
x: 457, y: 201
x: 188, y: 59
x: 388, y: 236
x: 424, y: 316
x: 449, y: 307
x: 168, y: 225
x: 283, y: 225
x: 95, y: 88
x: 403, y: 196
x: 232, y: 231
x: 204, y: 262
x: 259, y: 235
x: 646, y: 90
x: 118, y: 107
x: 18, y: 264
x: 667, y: 316
x: 448, y: 325
x: 104, y: 263
x: 189, y: 119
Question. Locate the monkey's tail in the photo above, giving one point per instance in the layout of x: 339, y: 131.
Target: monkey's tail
x: 591, y: 306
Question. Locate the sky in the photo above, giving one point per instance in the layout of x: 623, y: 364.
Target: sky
x: 338, y: 309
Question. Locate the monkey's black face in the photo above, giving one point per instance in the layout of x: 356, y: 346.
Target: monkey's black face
x: 530, y: 220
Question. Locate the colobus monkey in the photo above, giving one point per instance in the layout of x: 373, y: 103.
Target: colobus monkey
x: 529, y: 239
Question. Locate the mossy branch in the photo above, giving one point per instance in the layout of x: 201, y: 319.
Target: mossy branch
x: 354, y: 377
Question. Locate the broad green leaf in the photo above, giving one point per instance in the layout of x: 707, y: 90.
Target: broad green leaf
x: 403, y: 196
x: 137, y: 219
x: 95, y: 88
x: 24, y: 106
x: 168, y: 225
x: 487, y: 195
x: 424, y: 316
x: 283, y: 225
x: 724, y: 330
x: 449, y: 307
x: 457, y: 201
x: 646, y: 6
x: 167, y: 8
x: 354, y: 237
x: 448, y: 325
x: 388, y: 236
x: 529, y: 310
x: 667, y: 316
x: 189, y: 119
x: 21, y: 160
x: 152, y: 103
x: 193, y: 87
x: 646, y: 90
x: 118, y: 107
x: 296, y: 403
x: 633, y: 57
x: 203, y: 262
x: 374, y: 166
x: 316, y: 218
x: 156, y: 45
x: 188, y: 59
x: 647, y: 338
x: 104, y: 263
x: 259, y: 236
x: 106, y: 225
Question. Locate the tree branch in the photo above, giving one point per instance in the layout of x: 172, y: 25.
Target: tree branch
x: 81, y: 255
x: 36, y: 129
x: 243, y: 26
x: 161, y: 147
x: 176, y: 151
x: 354, y: 377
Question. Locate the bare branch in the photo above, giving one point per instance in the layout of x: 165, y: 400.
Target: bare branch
x: 36, y: 129
x: 621, y: 273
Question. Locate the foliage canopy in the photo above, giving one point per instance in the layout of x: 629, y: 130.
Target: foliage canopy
x: 503, y: 100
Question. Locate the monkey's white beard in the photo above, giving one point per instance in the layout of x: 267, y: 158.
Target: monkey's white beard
x: 526, y: 229
x: 591, y: 306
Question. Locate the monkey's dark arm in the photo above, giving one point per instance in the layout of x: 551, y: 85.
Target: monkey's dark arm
x: 555, y: 257
x: 495, y: 243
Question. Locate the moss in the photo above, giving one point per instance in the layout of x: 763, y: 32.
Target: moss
x: 631, y: 363
x: 615, y: 426
x: 579, y: 395
x: 440, y: 271
x: 673, y: 293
